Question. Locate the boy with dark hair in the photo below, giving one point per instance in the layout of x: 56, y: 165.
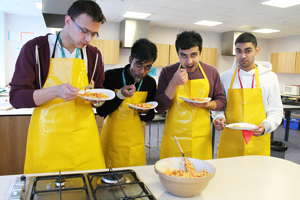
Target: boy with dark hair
x: 253, y: 96
x: 190, y: 122
x: 63, y: 134
x: 122, y: 135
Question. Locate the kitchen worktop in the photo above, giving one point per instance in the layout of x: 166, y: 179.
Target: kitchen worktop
x: 247, y: 178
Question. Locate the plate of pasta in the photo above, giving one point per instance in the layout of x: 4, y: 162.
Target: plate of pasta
x: 97, y: 94
x: 196, y: 99
x: 241, y: 126
x: 144, y: 106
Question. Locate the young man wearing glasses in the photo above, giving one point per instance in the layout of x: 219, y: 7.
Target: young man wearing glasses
x: 50, y: 69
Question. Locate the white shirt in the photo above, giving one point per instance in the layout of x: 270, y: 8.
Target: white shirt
x: 58, y: 53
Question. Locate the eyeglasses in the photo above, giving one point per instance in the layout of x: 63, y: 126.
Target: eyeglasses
x: 87, y: 32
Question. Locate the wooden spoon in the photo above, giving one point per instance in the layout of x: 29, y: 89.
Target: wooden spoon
x: 188, y: 166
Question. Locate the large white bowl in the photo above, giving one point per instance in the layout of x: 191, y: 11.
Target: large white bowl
x: 183, y: 187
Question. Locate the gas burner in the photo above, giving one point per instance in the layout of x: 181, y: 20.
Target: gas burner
x: 60, y: 183
x: 112, y: 179
x: 112, y: 185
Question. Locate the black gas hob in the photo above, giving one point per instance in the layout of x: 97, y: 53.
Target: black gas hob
x: 108, y: 185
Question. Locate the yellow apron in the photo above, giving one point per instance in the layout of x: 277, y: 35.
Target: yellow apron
x: 122, y: 135
x: 244, y: 106
x: 190, y: 124
x: 63, y: 135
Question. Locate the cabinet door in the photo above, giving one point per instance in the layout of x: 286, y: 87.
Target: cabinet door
x: 209, y: 56
x: 110, y: 50
x: 297, y: 69
x: 275, y: 62
x: 173, y: 55
x: 162, y: 55
x: 13, y: 134
x: 287, y: 62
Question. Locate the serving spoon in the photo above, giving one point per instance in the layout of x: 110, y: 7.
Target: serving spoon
x: 189, y: 167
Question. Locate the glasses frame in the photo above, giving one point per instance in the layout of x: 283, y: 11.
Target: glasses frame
x: 87, y: 32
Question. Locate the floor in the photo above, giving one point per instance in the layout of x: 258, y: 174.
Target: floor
x: 291, y: 154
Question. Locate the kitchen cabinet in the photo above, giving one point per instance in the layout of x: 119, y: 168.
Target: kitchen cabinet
x: 110, y: 50
x: 162, y: 55
x: 283, y: 62
x: 13, y: 134
x: 297, y: 69
x: 208, y: 55
x: 173, y: 55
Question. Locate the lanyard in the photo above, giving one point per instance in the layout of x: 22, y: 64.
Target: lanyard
x: 124, y: 81
x: 63, y: 52
x: 241, y: 81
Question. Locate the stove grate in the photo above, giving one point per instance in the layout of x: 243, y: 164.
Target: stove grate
x: 131, y: 188
x: 61, y: 192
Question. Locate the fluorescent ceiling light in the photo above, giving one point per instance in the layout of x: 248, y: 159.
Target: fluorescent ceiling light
x: 136, y: 15
x: 208, y: 23
x: 266, y: 30
x: 281, y: 3
x: 39, y: 5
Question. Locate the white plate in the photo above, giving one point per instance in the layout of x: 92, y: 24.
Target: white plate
x: 241, y: 126
x: 153, y: 103
x: 192, y: 101
x: 109, y: 93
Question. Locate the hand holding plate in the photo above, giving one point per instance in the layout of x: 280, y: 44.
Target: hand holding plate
x: 219, y: 124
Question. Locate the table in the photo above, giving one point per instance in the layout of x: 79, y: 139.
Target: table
x: 288, y: 110
x: 245, y: 177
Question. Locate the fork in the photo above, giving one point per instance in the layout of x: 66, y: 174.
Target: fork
x: 90, y: 86
x: 135, y: 82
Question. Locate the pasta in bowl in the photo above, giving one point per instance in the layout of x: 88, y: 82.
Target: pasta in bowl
x: 184, y: 185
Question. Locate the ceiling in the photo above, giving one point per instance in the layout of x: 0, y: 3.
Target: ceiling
x: 238, y: 15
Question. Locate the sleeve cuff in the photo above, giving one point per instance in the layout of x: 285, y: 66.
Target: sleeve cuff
x: 120, y: 95
x: 267, y: 127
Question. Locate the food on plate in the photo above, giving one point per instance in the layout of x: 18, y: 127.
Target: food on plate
x: 235, y: 125
x: 198, y: 99
x: 143, y: 105
x: 95, y: 95
x: 189, y: 173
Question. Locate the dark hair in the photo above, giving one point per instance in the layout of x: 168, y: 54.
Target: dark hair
x: 144, y: 50
x: 88, y: 7
x: 188, y: 39
x: 246, y: 37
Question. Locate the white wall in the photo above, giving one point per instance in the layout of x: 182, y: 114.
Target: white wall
x: 19, y: 23
x: 162, y: 35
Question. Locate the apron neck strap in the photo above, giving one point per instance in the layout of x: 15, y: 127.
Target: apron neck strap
x: 256, y: 75
x: 124, y: 80
x: 62, y: 50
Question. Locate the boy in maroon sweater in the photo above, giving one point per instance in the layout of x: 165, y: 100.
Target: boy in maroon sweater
x: 189, y: 121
